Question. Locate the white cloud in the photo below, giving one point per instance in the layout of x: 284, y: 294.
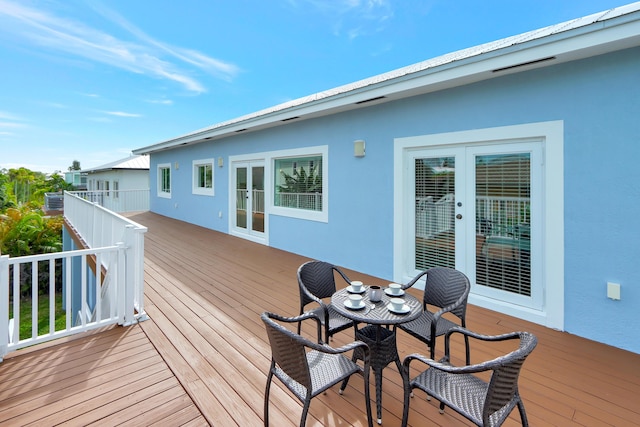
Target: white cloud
x: 9, y: 116
x: 354, y: 18
x: 143, y: 55
x: 11, y: 125
x: 122, y: 114
x: 161, y: 101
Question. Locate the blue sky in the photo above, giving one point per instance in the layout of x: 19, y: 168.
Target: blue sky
x: 92, y: 80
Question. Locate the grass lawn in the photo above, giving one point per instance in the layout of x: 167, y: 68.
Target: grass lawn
x: 43, y: 315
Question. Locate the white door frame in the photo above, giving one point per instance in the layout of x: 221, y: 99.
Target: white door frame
x: 248, y: 162
x: 551, y: 135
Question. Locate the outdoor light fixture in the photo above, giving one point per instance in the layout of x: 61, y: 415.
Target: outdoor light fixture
x: 220, y: 162
x: 358, y: 148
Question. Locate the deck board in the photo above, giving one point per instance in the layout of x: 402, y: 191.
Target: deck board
x: 202, y: 357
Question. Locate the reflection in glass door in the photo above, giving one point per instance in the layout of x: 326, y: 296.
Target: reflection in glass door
x: 503, y: 222
x: 249, y: 189
x: 435, y: 210
x: 476, y: 211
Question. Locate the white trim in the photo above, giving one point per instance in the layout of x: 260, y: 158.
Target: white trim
x: 321, y: 216
x: 552, y: 135
x: 194, y: 177
x: 268, y: 158
x: 160, y: 193
x: 247, y: 162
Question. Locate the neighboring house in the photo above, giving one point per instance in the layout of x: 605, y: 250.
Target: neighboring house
x: 77, y: 179
x: 516, y: 161
x: 122, y: 185
x: 131, y: 173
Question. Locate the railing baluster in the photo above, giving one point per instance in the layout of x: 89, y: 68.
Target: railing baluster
x: 52, y: 296
x: 34, y: 299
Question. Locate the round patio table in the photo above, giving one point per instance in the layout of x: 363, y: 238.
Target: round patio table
x: 381, y: 340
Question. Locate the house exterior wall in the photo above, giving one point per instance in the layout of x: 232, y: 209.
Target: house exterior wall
x: 128, y: 179
x: 598, y: 101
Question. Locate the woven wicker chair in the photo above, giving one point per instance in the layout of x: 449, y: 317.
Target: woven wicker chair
x: 445, y: 288
x: 486, y: 404
x: 308, y: 368
x: 317, y: 281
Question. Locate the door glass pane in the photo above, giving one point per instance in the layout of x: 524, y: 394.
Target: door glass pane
x: 434, y: 212
x: 241, y: 197
x: 503, y: 222
x: 257, y: 199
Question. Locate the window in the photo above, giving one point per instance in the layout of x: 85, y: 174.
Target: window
x: 164, y: 180
x: 298, y: 182
x: 203, y: 177
x: 106, y: 188
x: 116, y: 187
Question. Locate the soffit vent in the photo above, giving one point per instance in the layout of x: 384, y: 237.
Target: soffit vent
x: 537, y: 61
x: 370, y: 100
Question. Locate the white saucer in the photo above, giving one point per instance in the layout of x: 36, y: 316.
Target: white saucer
x: 391, y: 294
x: 405, y: 309
x: 351, y: 291
x: 348, y: 304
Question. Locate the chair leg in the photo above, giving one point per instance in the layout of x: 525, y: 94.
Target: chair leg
x: 523, y: 414
x: 266, y: 399
x: 467, y: 352
x: 305, y: 409
x: 408, y: 392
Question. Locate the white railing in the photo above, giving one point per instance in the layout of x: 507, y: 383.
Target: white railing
x: 118, y: 200
x: 257, y: 200
x: 432, y: 217
x: 94, y: 287
x: 501, y: 216
x: 309, y: 201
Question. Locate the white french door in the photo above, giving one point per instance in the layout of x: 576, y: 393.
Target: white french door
x: 248, y: 218
x: 477, y: 208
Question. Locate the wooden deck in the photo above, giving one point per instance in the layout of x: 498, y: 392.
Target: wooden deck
x: 202, y: 357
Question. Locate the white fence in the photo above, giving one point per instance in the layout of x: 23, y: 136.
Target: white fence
x: 108, y: 279
x: 118, y: 200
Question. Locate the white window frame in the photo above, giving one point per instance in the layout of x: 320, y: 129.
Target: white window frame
x: 321, y: 215
x: 161, y: 193
x: 195, y: 188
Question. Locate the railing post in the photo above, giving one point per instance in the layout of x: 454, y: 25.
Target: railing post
x: 121, y: 280
x: 134, y: 273
x: 4, y: 305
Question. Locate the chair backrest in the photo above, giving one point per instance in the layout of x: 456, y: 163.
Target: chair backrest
x: 288, y: 351
x: 317, y: 277
x: 444, y: 286
x: 504, y: 380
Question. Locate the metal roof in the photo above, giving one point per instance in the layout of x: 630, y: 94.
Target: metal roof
x: 602, y: 32
x: 133, y: 162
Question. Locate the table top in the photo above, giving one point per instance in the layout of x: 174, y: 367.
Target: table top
x: 379, y: 314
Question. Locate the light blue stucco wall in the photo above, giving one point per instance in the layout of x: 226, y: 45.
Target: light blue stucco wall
x: 598, y: 100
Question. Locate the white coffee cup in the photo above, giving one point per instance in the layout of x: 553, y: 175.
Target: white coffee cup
x: 397, y: 303
x: 395, y: 288
x: 355, y: 300
x: 375, y: 293
x: 356, y: 286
